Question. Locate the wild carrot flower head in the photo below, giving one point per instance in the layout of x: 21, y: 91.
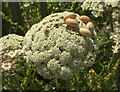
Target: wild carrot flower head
x: 11, y: 51
x: 6, y: 66
x: 57, y: 49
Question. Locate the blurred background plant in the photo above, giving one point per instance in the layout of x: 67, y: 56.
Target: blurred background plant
x: 18, y: 17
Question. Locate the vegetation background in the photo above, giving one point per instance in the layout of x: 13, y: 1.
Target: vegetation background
x: 18, y: 17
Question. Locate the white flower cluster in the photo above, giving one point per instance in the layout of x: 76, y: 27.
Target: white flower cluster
x: 57, y: 49
x: 116, y: 17
x: 10, y: 50
x: 11, y: 42
x: 116, y: 37
x: 6, y: 66
x: 99, y: 6
x: 14, y: 53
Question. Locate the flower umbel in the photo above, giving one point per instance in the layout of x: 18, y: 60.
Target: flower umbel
x: 6, y: 66
x: 59, y: 52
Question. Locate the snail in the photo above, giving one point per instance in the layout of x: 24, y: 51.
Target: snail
x: 46, y: 30
x: 71, y: 22
x: 90, y: 25
x: 70, y: 15
x: 84, y: 19
x: 85, y: 32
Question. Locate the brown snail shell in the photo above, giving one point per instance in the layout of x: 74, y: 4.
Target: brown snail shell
x: 70, y: 15
x: 90, y: 25
x: 85, y: 32
x: 71, y: 22
x: 46, y: 30
x: 84, y: 19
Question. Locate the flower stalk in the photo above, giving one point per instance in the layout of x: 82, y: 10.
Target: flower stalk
x: 94, y: 82
x: 114, y: 70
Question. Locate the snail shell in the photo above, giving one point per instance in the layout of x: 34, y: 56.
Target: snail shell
x: 85, y: 32
x: 46, y: 30
x: 84, y: 19
x: 70, y: 15
x: 90, y: 25
x: 71, y: 22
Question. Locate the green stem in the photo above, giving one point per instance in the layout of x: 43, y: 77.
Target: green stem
x: 100, y: 72
x: 9, y: 85
x: 111, y: 21
x: 18, y: 84
x: 10, y: 21
x: 77, y: 84
x: 29, y: 78
x: 56, y: 82
x: 12, y: 83
x: 118, y: 78
x: 67, y: 85
x: 73, y: 4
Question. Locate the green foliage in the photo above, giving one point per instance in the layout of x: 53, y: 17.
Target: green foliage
x: 31, y: 13
x: 54, y: 7
x: 11, y: 22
